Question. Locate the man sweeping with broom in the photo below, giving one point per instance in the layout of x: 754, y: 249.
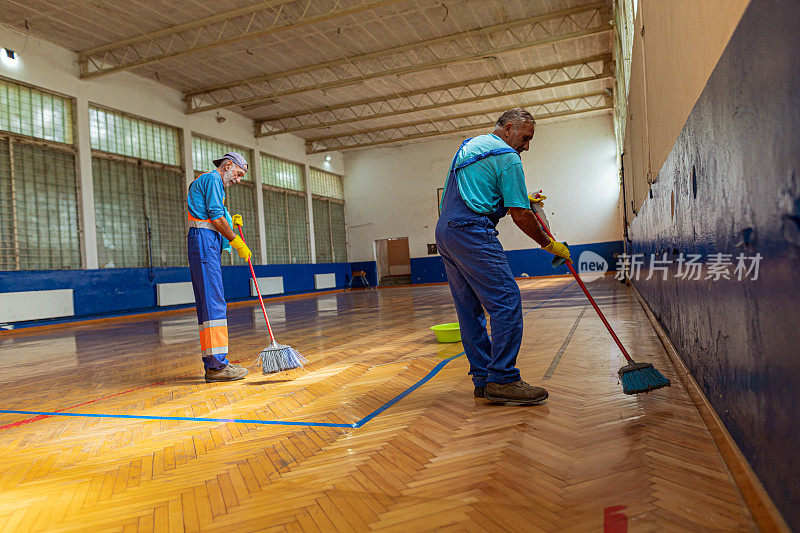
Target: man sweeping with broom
x: 210, y: 232
x: 484, y: 183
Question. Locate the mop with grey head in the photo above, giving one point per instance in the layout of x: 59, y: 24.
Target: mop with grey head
x: 275, y: 357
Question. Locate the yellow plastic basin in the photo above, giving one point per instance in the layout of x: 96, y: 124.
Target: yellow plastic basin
x: 447, y: 332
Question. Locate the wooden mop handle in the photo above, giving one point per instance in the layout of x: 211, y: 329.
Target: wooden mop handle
x: 586, y: 292
x: 258, y: 291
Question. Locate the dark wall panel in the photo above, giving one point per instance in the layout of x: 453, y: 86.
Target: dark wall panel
x: 731, y: 185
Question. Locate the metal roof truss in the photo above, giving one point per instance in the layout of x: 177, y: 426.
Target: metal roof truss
x: 569, y: 24
x: 541, y: 110
x: 476, y: 90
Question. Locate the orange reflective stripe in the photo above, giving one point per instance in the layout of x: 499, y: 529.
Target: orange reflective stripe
x: 204, y: 340
x: 195, y: 219
x: 195, y: 222
x: 219, y: 336
x: 216, y: 337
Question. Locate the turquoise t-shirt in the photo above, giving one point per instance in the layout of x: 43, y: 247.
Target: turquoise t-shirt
x: 207, y: 196
x: 206, y: 200
x: 484, y: 183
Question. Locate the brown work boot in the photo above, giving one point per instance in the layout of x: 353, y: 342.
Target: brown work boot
x: 232, y: 372
x: 517, y: 392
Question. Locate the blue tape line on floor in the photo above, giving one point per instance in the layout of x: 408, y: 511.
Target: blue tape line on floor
x: 358, y: 424
x: 408, y: 391
x: 184, y: 418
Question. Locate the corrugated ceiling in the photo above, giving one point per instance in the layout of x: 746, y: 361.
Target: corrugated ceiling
x: 307, y: 60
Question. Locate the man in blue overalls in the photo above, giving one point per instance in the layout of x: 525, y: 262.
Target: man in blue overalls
x: 210, y: 232
x: 485, y: 182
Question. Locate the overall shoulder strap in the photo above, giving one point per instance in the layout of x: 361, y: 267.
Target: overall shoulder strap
x: 463, y: 144
x: 484, y: 155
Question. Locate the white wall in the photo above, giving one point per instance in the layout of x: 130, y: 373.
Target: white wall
x: 391, y: 191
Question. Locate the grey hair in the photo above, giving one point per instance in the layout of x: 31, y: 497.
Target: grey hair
x: 515, y: 116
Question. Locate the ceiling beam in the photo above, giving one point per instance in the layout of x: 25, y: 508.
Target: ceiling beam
x: 251, y: 22
x: 547, y: 109
x: 469, y: 91
x: 548, y: 29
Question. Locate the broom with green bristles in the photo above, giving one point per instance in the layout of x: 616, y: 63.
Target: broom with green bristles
x: 275, y: 357
x: 635, y: 377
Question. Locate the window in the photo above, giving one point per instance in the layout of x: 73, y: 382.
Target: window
x: 625, y: 31
x: 282, y: 174
x: 117, y: 133
x: 330, y: 233
x: 205, y: 151
x: 140, y: 200
x: 285, y: 211
x: 239, y: 198
x: 39, y: 218
x: 326, y: 184
x: 35, y: 113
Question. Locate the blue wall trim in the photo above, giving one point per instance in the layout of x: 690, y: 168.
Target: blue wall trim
x: 531, y: 262
x: 734, y: 174
x: 370, y: 267
x: 129, y: 290
x: 120, y: 291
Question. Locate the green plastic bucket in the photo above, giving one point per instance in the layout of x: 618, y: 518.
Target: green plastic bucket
x: 447, y: 332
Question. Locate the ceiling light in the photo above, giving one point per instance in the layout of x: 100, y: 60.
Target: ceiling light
x: 327, y: 158
x: 9, y: 57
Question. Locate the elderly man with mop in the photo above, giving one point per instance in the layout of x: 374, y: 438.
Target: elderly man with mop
x: 485, y: 182
x: 210, y: 232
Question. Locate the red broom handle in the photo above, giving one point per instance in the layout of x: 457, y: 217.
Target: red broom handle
x: 586, y: 292
x: 258, y: 291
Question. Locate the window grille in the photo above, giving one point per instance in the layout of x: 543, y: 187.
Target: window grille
x: 35, y: 113
x: 326, y: 184
x: 322, y: 230
x: 297, y: 207
x: 39, y: 220
x: 205, y: 151
x: 338, y: 232
x: 240, y: 199
x: 140, y: 212
x: 625, y: 31
x: 117, y: 133
x: 281, y: 173
x: 330, y: 233
x: 140, y: 201
x: 286, y: 222
x: 165, y: 205
x: 39, y: 217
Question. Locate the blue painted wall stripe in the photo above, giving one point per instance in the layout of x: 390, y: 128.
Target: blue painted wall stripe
x: 531, y: 262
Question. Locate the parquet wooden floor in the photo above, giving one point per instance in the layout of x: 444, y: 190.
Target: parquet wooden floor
x: 590, y: 458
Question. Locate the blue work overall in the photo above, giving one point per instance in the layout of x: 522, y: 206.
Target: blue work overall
x: 204, y: 244
x: 480, y: 278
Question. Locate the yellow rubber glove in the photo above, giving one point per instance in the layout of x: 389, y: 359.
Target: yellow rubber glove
x: 537, y: 198
x: 237, y: 221
x: 556, y: 248
x: 241, y: 248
